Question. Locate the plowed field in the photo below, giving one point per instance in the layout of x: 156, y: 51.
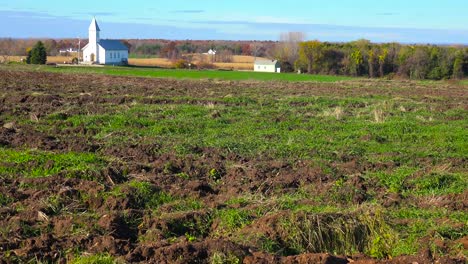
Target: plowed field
x: 130, y: 169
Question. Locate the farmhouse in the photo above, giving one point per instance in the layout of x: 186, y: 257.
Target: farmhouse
x: 210, y: 52
x: 69, y: 50
x: 103, y: 51
x: 262, y: 65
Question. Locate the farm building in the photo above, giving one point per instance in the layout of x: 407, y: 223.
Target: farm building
x: 103, y: 51
x: 262, y: 65
x: 210, y: 52
x: 69, y: 50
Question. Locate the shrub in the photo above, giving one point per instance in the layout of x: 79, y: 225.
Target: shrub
x: 286, y: 66
x: 181, y: 64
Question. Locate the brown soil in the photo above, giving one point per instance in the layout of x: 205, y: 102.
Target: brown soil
x: 117, y: 222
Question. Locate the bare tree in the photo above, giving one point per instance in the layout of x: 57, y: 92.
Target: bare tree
x: 256, y: 47
x: 7, y: 47
x: 224, y: 56
x: 287, y: 49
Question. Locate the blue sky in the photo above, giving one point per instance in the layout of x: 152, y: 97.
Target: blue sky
x: 409, y: 21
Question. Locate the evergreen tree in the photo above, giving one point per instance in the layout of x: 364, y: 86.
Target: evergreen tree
x: 38, y: 54
x: 28, y: 57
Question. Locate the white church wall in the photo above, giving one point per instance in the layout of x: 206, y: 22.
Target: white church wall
x: 116, y: 56
x: 125, y: 55
x: 121, y: 55
x: 87, y: 54
x: 102, y: 55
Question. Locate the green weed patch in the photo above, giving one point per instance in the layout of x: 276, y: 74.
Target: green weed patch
x: 34, y: 163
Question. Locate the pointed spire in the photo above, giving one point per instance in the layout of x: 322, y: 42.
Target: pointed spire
x: 94, y: 25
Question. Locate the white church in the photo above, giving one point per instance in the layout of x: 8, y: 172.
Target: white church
x: 103, y: 51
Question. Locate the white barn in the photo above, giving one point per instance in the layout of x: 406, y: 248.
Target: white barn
x: 262, y: 65
x: 103, y: 51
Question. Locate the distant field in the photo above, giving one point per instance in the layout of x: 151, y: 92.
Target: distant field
x: 196, y: 74
x: 50, y: 59
x: 159, y: 62
x: 238, y: 62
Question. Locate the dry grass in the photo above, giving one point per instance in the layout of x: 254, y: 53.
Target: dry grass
x: 339, y: 233
x: 159, y: 62
x: 379, y: 116
x: 238, y: 62
x: 243, y: 59
x: 336, y: 112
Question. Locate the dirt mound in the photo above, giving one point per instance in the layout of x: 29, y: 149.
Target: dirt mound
x: 185, y: 252
x: 300, y: 259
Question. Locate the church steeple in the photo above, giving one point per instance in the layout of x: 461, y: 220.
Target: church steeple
x: 94, y: 26
x: 94, y: 32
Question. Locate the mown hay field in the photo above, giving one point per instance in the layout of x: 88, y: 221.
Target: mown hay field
x: 238, y: 62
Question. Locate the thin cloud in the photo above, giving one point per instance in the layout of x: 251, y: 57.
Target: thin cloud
x: 188, y: 11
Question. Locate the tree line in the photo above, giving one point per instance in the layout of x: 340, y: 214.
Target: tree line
x: 357, y: 58
x: 363, y: 58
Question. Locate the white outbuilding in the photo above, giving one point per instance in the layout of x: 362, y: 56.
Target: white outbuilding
x: 262, y: 65
x: 210, y: 52
x: 103, y: 51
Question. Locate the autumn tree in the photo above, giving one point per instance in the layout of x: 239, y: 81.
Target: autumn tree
x: 419, y: 63
x: 402, y: 60
x: 170, y: 51
x: 458, y: 66
x: 356, y: 62
x: 310, y: 52
x: 258, y: 50
x: 331, y: 60
x: 382, y: 60
x: 371, y: 59
x: 51, y: 47
x: 246, y: 49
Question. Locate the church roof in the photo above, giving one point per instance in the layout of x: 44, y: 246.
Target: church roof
x: 110, y: 44
x: 94, y: 26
